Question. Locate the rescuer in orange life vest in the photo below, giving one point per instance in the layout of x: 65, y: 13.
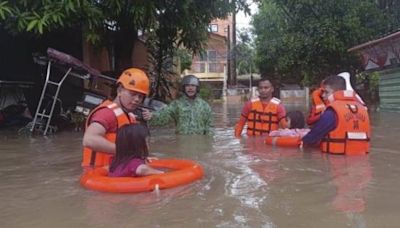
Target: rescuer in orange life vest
x: 344, y: 126
x: 318, y: 104
x: 263, y: 114
x: 104, y: 121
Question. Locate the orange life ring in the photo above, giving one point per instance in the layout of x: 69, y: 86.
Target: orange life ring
x: 183, y: 172
x: 284, y: 141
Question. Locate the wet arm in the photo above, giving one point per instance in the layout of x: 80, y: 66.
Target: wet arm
x: 282, y: 116
x: 164, y: 116
x: 94, y: 138
x: 239, y: 126
x: 325, y: 124
x: 243, y: 118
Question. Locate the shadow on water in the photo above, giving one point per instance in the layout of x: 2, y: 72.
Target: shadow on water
x: 246, y: 183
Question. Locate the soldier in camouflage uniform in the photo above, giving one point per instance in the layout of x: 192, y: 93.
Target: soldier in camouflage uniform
x: 190, y: 113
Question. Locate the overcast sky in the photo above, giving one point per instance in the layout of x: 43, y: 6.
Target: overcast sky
x: 243, y: 21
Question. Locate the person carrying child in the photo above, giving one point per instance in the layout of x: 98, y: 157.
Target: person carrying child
x: 132, y: 153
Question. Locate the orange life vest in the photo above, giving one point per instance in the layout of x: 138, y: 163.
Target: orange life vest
x: 318, y: 107
x: 98, y: 158
x: 352, y: 133
x: 263, y: 120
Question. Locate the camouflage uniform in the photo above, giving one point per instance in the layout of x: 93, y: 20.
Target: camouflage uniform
x: 190, y: 117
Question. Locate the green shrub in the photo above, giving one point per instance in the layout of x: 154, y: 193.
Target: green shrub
x: 206, y: 92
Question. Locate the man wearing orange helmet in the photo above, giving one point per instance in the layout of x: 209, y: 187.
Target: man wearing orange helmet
x: 104, y: 121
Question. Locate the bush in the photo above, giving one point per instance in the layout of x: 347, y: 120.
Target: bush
x: 206, y: 92
x: 370, y: 86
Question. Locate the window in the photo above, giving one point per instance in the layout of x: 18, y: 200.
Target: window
x: 213, y: 67
x: 203, y: 56
x: 212, y: 56
x: 202, y: 68
x: 213, y: 28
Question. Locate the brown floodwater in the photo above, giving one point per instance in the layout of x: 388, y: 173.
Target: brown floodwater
x: 246, y: 183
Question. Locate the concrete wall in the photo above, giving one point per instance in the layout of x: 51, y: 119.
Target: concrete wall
x: 293, y: 96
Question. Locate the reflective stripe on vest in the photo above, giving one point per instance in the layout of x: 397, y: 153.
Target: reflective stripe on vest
x: 352, y: 133
x: 99, y: 158
x: 262, y: 120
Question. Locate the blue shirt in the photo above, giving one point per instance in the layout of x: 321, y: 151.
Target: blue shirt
x: 325, y: 124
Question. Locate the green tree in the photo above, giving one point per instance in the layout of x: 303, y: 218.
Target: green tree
x: 305, y: 40
x: 392, y: 8
x: 115, y: 24
x: 245, y: 53
x: 185, y: 59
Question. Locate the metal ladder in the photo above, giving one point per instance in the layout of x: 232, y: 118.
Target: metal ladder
x: 41, y: 111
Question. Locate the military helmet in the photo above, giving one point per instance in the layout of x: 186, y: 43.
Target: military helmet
x: 190, y: 80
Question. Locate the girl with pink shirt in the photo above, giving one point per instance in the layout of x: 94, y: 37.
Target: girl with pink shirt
x: 131, y: 153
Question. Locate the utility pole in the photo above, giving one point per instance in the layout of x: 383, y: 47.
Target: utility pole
x: 233, y: 77
x: 228, y: 56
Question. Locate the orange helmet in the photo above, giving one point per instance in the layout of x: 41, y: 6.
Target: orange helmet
x: 135, y: 79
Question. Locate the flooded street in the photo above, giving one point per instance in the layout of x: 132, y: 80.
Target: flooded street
x: 246, y: 183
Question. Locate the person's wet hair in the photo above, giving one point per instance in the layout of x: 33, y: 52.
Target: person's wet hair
x: 335, y: 82
x: 264, y: 80
x: 296, y: 119
x: 130, y: 143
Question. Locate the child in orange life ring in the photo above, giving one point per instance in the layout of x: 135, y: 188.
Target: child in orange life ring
x: 131, y: 152
x: 295, y: 123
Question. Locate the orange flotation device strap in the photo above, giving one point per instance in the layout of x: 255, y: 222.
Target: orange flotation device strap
x: 183, y: 172
x: 284, y: 141
x: 318, y: 107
